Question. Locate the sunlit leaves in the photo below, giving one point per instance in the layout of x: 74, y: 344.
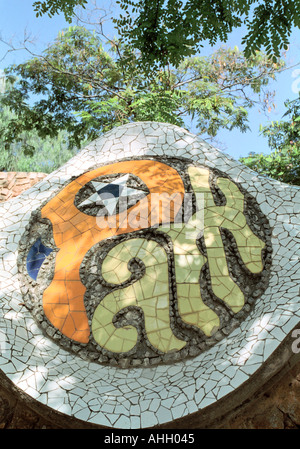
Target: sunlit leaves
x: 52, y: 7
x: 167, y: 31
x: 283, y: 163
x: 77, y: 86
x: 29, y: 152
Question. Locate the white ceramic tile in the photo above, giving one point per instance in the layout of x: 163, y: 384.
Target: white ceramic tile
x: 141, y: 398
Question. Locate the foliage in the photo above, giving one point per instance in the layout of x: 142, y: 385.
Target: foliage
x: 83, y: 89
x: 167, y: 31
x: 52, y: 7
x: 30, y: 152
x: 283, y: 163
x: 49, y: 154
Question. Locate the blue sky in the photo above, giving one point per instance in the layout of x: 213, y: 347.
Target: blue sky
x: 17, y: 17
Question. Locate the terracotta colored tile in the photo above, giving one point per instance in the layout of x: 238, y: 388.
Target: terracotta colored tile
x: 81, y: 336
x: 55, y: 294
x: 80, y: 320
x: 60, y: 310
x: 75, y: 289
x: 56, y: 321
x: 65, y: 226
x: 76, y: 326
x: 77, y: 218
x: 60, y: 275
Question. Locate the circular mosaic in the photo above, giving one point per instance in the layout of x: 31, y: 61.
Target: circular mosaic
x: 144, y: 261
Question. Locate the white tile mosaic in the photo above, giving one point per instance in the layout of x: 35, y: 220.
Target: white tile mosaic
x: 144, y: 397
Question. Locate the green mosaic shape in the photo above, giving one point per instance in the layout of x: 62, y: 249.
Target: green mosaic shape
x: 151, y: 294
x: 231, y: 217
x: 188, y: 264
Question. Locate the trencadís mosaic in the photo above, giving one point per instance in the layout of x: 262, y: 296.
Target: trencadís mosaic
x: 84, y: 333
x: 145, y: 261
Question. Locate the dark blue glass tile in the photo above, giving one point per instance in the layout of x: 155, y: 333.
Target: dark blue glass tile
x: 36, y: 256
x: 111, y: 190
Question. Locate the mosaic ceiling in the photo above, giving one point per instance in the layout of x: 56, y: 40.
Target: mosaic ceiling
x: 146, y: 279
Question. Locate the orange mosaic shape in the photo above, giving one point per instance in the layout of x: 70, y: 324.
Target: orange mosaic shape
x: 76, y: 232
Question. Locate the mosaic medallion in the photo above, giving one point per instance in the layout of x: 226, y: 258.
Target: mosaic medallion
x: 145, y: 261
x: 149, y: 278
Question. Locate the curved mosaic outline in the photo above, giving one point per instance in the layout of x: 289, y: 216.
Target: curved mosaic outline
x: 172, y: 276
x: 147, y: 397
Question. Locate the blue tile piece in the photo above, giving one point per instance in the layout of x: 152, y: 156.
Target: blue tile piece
x: 109, y: 194
x: 36, y: 256
x: 111, y: 190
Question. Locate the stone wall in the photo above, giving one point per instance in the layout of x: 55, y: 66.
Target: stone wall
x: 14, y: 183
x: 278, y: 407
